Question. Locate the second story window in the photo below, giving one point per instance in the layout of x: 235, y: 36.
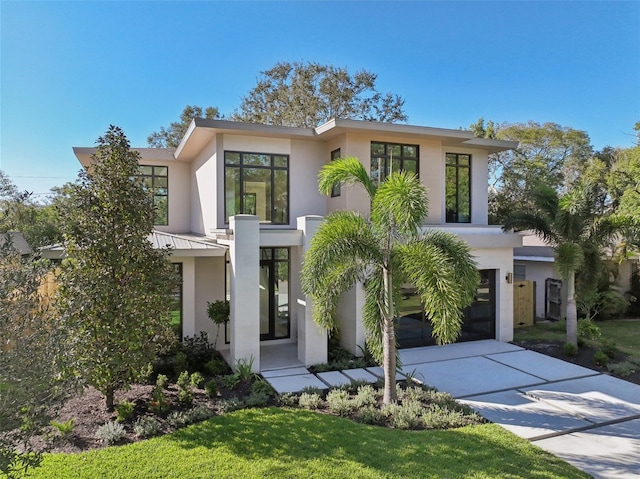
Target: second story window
x: 458, y: 188
x: 389, y: 157
x: 156, y: 179
x: 257, y: 184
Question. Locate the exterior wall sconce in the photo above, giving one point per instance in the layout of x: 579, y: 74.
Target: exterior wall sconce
x: 509, y: 278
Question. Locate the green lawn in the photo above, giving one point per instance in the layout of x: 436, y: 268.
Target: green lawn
x: 625, y: 333
x: 295, y: 443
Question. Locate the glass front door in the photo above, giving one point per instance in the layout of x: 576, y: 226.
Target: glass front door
x: 274, y: 293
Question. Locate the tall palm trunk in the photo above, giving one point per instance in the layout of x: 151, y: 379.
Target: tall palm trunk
x: 572, y: 310
x: 389, y: 342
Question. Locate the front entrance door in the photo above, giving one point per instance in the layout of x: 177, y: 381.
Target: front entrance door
x: 274, y: 293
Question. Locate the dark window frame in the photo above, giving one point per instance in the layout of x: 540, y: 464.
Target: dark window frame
x: 335, y: 190
x: 455, y: 216
x: 386, y: 156
x: 153, y: 177
x: 272, y: 168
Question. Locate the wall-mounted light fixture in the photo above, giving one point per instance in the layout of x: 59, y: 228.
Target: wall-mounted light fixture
x: 509, y: 278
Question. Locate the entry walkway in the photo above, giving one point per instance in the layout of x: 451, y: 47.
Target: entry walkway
x: 589, y: 419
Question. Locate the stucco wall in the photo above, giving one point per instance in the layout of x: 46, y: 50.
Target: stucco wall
x: 203, y: 184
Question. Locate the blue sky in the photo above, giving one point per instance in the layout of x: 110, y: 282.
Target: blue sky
x: 69, y: 69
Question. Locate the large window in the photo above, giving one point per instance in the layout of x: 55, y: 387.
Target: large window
x: 156, y: 179
x: 389, y: 157
x: 257, y: 184
x: 458, y: 188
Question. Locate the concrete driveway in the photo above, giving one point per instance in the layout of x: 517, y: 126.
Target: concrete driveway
x: 589, y: 419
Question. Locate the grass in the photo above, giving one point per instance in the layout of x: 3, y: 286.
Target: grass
x: 294, y: 443
x: 625, y: 333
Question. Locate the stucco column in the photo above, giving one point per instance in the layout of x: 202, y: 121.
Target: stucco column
x: 312, y: 341
x: 244, y: 257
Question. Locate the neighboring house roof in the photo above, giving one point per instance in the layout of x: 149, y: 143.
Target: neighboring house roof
x: 180, y: 245
x: 18, y: 240
x: 534, y: 253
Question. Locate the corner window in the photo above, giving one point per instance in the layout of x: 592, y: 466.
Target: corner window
x: 156, y: 179
x: 458, y: 188
x: 335, y: 191
x: 389, y: 157
x: 257, y: 184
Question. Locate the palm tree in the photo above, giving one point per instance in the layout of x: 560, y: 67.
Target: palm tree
x: 383, y: 252
x: 573, y: 225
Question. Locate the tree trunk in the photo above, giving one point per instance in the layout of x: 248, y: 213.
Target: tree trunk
x: 109, y: 398
x: 389, y: 343
x: 572, y: 311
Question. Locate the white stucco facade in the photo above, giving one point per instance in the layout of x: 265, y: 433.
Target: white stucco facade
x: 237, y: 267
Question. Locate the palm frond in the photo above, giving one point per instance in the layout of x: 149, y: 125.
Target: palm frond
x: 445, y: 283
x: 534, y: 221
x: 340, y: 252
x: 346, y: 171
x: 569, y: 257
x: 546, y: 200
x: 400, y: 204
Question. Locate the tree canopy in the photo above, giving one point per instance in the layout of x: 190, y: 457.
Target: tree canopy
x: 309, y: 94
x: 114, y: 294
x: 170, y: 137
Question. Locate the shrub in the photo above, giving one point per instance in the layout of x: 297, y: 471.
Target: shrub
x: 263, y: 387
x: 229, y: 405
x: 198, y: 351
x: 309, y: 401
x: 600, y: 358
x: 340, y: 403
x: 146, y: 427
x: 312, y: 390
x: 124, y: 411
x: 404, y: 416
x: 244, y: 369
x: 185, y: 390
x: 145, y: 373
x: 288, y: 399
x: 211, y: 388
x: 370, y: 415
x: 623, y: 369
x: 110, y: 433
x: 64, y: 428
x: 366, y: 396
x: 257, y: 399
x: 570, y: 350
x: 178, y: 419
x: 216, y: 367
x: 180, y: 363
x: 229, y: 381
x: 196, y: 379
x: 609, y: 347
x: 438, y: 417
x: 162, y: 381
x: 587, y: 329
x: 198, y: 413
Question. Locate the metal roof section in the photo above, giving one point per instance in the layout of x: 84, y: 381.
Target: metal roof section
x: 180, y: 245
x: 18, y: 240
x: 187, y: 244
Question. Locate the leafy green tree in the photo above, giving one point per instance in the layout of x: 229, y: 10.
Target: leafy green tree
x: 573, y: 226
x: 548, y: 155
x: 38, y: 222
x: 114, y: 295
x: 32, y: 357
x: 171, y: 136
x: 309, y: 94
x: 384, y: 252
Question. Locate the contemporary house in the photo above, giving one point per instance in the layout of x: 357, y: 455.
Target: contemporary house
x: 238, y: 203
